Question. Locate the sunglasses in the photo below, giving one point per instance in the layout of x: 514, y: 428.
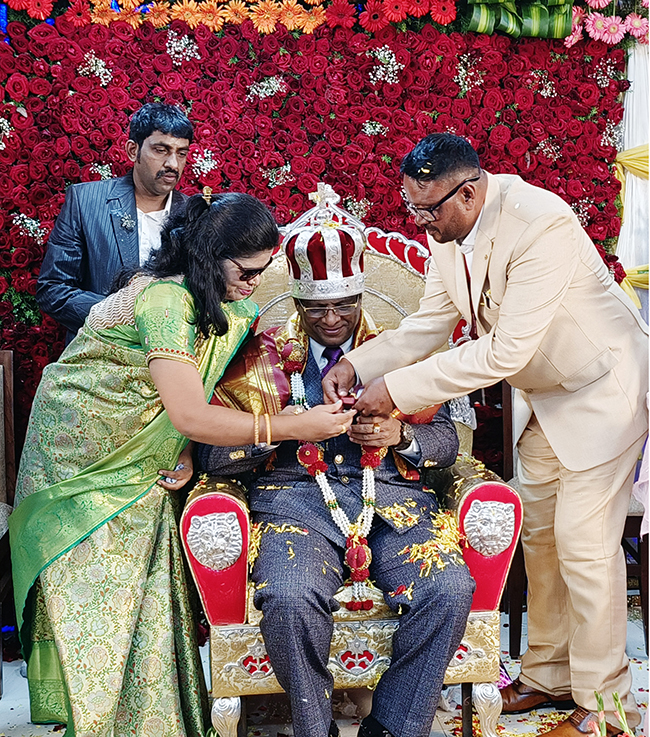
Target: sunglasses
x: 249, y: 274
x: 429, y: 213
x: 318, y: 313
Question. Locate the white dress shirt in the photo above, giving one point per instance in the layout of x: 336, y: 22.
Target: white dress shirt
x: 149, y: 226
x: 467, y: 244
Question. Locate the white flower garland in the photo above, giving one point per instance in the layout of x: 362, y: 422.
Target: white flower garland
x: 360, y: 528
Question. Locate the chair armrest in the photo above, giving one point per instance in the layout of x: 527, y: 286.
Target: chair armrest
x: 215, y: 532
x: 489, y: 514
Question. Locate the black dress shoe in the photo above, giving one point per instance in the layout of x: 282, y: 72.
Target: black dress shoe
x: 334, y: 730
x: 370, y: 727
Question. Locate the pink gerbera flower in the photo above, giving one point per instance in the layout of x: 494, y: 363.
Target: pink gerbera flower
x: 595, y: 24
x: 637, y: 26
x: 614, y: 30
x: 576, y: 29
x: 574, y: 37
x: 598, y: 4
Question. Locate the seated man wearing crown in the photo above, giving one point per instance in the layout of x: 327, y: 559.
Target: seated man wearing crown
x: 353, y: 506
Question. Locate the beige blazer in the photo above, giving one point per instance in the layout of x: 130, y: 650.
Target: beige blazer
x: 550, y: 319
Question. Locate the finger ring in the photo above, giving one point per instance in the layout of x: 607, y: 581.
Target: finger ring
x: 299, y: 409
x: 343, y: 429
x: 376, y: 428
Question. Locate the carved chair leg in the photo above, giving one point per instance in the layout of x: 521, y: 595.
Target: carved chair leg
x: 488, y: 705
x: 225, y: 716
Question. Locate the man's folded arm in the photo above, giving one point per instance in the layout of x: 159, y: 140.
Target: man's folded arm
x: 230, y: 461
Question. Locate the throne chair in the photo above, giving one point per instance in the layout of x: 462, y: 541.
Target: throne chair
x: 216, y: 529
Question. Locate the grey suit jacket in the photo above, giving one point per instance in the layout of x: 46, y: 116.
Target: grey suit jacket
x: 289, y: 492
x: 95, y: 235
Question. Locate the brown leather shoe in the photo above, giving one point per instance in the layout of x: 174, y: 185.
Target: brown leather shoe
x: 577, y: 724
x: 519, y: 698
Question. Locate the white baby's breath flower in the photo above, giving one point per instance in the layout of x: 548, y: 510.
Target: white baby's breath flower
x: 388, y: 68
x: 181, y: 48
x: 93, y: 66
x: 267, y: 87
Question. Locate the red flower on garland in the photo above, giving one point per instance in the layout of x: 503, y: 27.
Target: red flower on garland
x: 340, y: 13
x: 442, y: 11
x: 311, y: 457
x: 373, y: 17
x: 372, y: 457
x: 395, y: 10
x: 293, y: 357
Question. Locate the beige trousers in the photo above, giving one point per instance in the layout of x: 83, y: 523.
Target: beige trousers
x: 577, y: 585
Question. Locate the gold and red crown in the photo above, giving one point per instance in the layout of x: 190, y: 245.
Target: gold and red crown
x: 325, y: 248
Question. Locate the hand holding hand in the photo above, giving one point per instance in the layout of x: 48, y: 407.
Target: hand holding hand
x: 338, y: 381
x: 376, y: 431
x: 324, y: 421
x: 374, y: 400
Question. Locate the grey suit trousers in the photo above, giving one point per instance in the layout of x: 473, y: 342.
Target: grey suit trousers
x: 302, y: 572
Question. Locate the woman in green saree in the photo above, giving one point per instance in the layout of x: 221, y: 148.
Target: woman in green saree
x: 100, y: 590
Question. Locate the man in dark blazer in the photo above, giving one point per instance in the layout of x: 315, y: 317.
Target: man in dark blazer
x: 114, y: 223
x: 281, y: 370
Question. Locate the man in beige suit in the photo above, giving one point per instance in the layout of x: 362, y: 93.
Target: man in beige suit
x: 513, y: 260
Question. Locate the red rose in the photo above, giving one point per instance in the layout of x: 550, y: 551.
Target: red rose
x: 37, y: 171
x: 20, y: 258
x: 589, y: 93
x: 71, y: 170
x: 17, y: 87
x: 499, y: 135
x: 517, y: 147
x: 493, y: 100
x: 485, y: 117
x: 23, y: 281
x: 460, y: 108
x: 39, y: 194
x: 20, y: 174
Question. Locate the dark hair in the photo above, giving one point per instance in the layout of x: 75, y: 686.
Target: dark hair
x: 196, y: 244
x: 156, y: 116
x: 437, y: 155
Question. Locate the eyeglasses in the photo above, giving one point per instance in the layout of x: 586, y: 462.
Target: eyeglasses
x: 428, y: 213
x: 316, y: 313
x: 249, y: 274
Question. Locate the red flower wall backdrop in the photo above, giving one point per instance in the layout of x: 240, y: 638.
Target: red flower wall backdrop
x: 275, y: 114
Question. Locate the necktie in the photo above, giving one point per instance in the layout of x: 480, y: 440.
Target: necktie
x: 332, y: 353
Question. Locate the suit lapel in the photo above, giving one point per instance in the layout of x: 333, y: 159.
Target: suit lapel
x: 124, y: 217
x: 178, y: 202
x: 485, y: 240
x: 451, y: 267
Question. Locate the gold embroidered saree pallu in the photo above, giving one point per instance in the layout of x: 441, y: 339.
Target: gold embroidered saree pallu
x: 99, y: 579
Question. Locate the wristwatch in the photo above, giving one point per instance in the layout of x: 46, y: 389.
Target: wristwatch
x: 406, y: 435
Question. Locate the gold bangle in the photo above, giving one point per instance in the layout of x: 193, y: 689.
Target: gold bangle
x: 256, y: 428
x: 267, y: 420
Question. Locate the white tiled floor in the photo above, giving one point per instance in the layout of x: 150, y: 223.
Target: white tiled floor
x: 14, y: 705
